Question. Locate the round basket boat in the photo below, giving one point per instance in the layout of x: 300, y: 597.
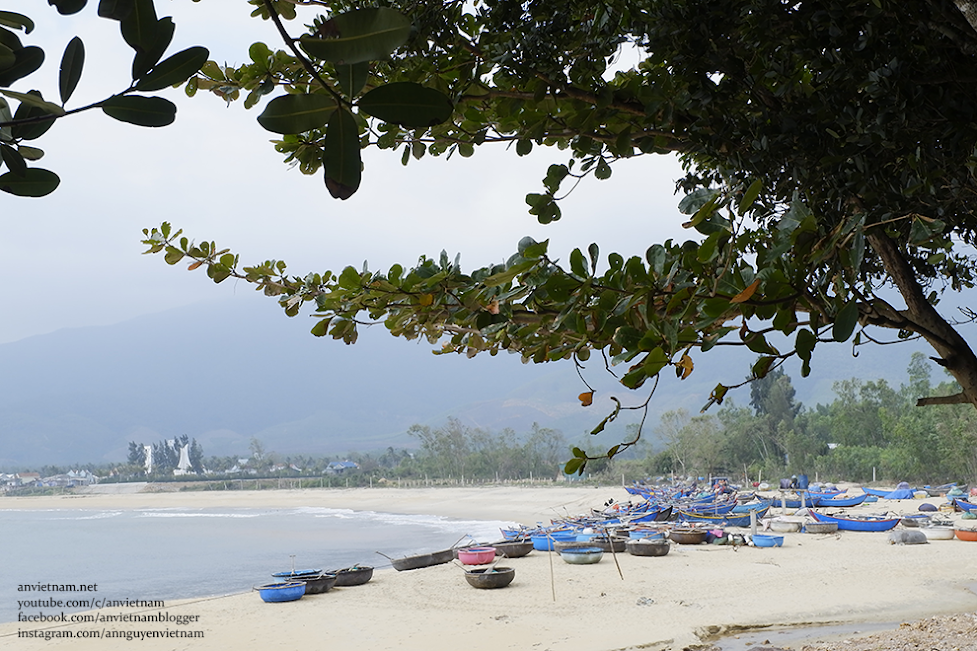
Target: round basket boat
x: 820, y: 527
x: 544, y: 541
x: 764, y: 540
x: 785, y: 526
x: 283, y: 591
x: 687, y: 536
x: 513, y: 549
x: 297, y: 575
x: 615, y: 544
x: 582, y: 555
x: 476, y: 555
x: 648, y: 547
x: 319, y: 584
x: 937, y: 533
x: 966, y: 534
x: 356, y: 575
x: 498, y: 577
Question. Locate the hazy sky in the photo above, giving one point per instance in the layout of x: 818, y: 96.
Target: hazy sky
x: 74, y: 258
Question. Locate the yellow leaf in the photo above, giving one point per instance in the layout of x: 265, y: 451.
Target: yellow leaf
x: 683, y: 367
x: 426, y: 299
x: 493, y: 307
x: 586, y: 399
x: 747, y: 293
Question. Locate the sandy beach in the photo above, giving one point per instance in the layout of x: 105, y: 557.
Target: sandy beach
x: 684, y: 600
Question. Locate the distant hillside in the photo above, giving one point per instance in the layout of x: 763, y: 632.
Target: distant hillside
x: 224, y: 372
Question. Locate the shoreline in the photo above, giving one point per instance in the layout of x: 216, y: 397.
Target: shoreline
x: 686, y: 599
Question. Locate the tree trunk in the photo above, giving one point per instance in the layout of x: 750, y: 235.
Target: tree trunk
x: 955, y: 354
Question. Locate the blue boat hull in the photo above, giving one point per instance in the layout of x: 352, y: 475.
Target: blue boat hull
x: 857, y: 524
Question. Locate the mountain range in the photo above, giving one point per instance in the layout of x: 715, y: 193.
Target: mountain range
x: 225, y: 372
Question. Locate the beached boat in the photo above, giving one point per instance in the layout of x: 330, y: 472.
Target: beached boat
x: 937, y: 532
x: 513, y: 548
x: 855, y: 500
x: 726, y: 519
x: 857, y: 523
x: 969, y: 535
x: 643, y: 547
x: 489, y: 578
x: 355, y: 575
x: 964, y: 505
x: 687, y: 536
x: 418, y: 561
x: 282, y: 591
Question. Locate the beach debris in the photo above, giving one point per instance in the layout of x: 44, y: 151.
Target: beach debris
x: 645, y: 601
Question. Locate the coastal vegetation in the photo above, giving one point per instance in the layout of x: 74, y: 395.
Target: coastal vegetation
x: 829, y: 149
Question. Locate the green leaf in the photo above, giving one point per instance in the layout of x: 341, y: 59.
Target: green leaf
x: 35, y: 99
x: 603, y: 170
x: 804, y: 343
x: 762, y: 367
x: 407, y: 104
x: 575, y: 466
x: 692, y: 202
x: 27, y: 61
x: 141, y: 111
x: 17, y: 21
x: 7, y: 56
x: 750, y: 196
x: 358, y: 36
x: 68, y: 7
x: 72, y: 62
x: 845, y: 322
x: 352, y: 77
x: 139, y: 27
x: 501, y: 278
x: 174, y: 70
x: 115, y: 9
x: 35, y: 182
x: 12, y: 158
x: 143, y: 62
x: 341, y: 160
x: 27, y: 111
x: 292, y: 114
x: 654, y: 362
x: 349, y: 278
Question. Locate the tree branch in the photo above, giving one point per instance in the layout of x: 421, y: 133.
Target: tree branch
x: 955, y: 399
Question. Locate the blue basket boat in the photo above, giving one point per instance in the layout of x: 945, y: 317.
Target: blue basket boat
x: 285, y: 591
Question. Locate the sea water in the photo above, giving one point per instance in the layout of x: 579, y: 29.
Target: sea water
x: 179, y: 553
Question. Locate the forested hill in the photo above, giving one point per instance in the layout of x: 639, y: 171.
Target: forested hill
x: 224, y: 372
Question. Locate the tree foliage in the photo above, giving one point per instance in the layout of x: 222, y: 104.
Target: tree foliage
x: 830, y: 150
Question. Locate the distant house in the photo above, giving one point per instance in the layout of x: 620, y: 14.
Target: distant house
x: 28, y: 478
x: 339, y: 467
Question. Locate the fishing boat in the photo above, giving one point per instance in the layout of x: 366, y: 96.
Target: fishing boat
x: 282, y: 591
x: 726, y: 519
x: 854, y: 500
x: 964, y: 505
x: 355, y: 575
x: 966, y: 534
x: 418, y: 561
x: 857, y: 523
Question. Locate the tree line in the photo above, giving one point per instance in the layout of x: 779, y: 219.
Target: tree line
x: 870, y: 431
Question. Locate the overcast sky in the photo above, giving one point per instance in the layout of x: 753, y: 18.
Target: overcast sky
x: 74, y: 258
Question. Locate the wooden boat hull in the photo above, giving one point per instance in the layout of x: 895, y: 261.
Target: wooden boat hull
x: 964, y: 505
x: 820, y: 527
x: 857, y: 524
x: 727, y: 519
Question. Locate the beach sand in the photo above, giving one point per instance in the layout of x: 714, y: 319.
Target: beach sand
x: 685, y: 599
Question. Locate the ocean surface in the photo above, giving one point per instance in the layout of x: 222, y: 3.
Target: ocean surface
x: 178, y: 553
